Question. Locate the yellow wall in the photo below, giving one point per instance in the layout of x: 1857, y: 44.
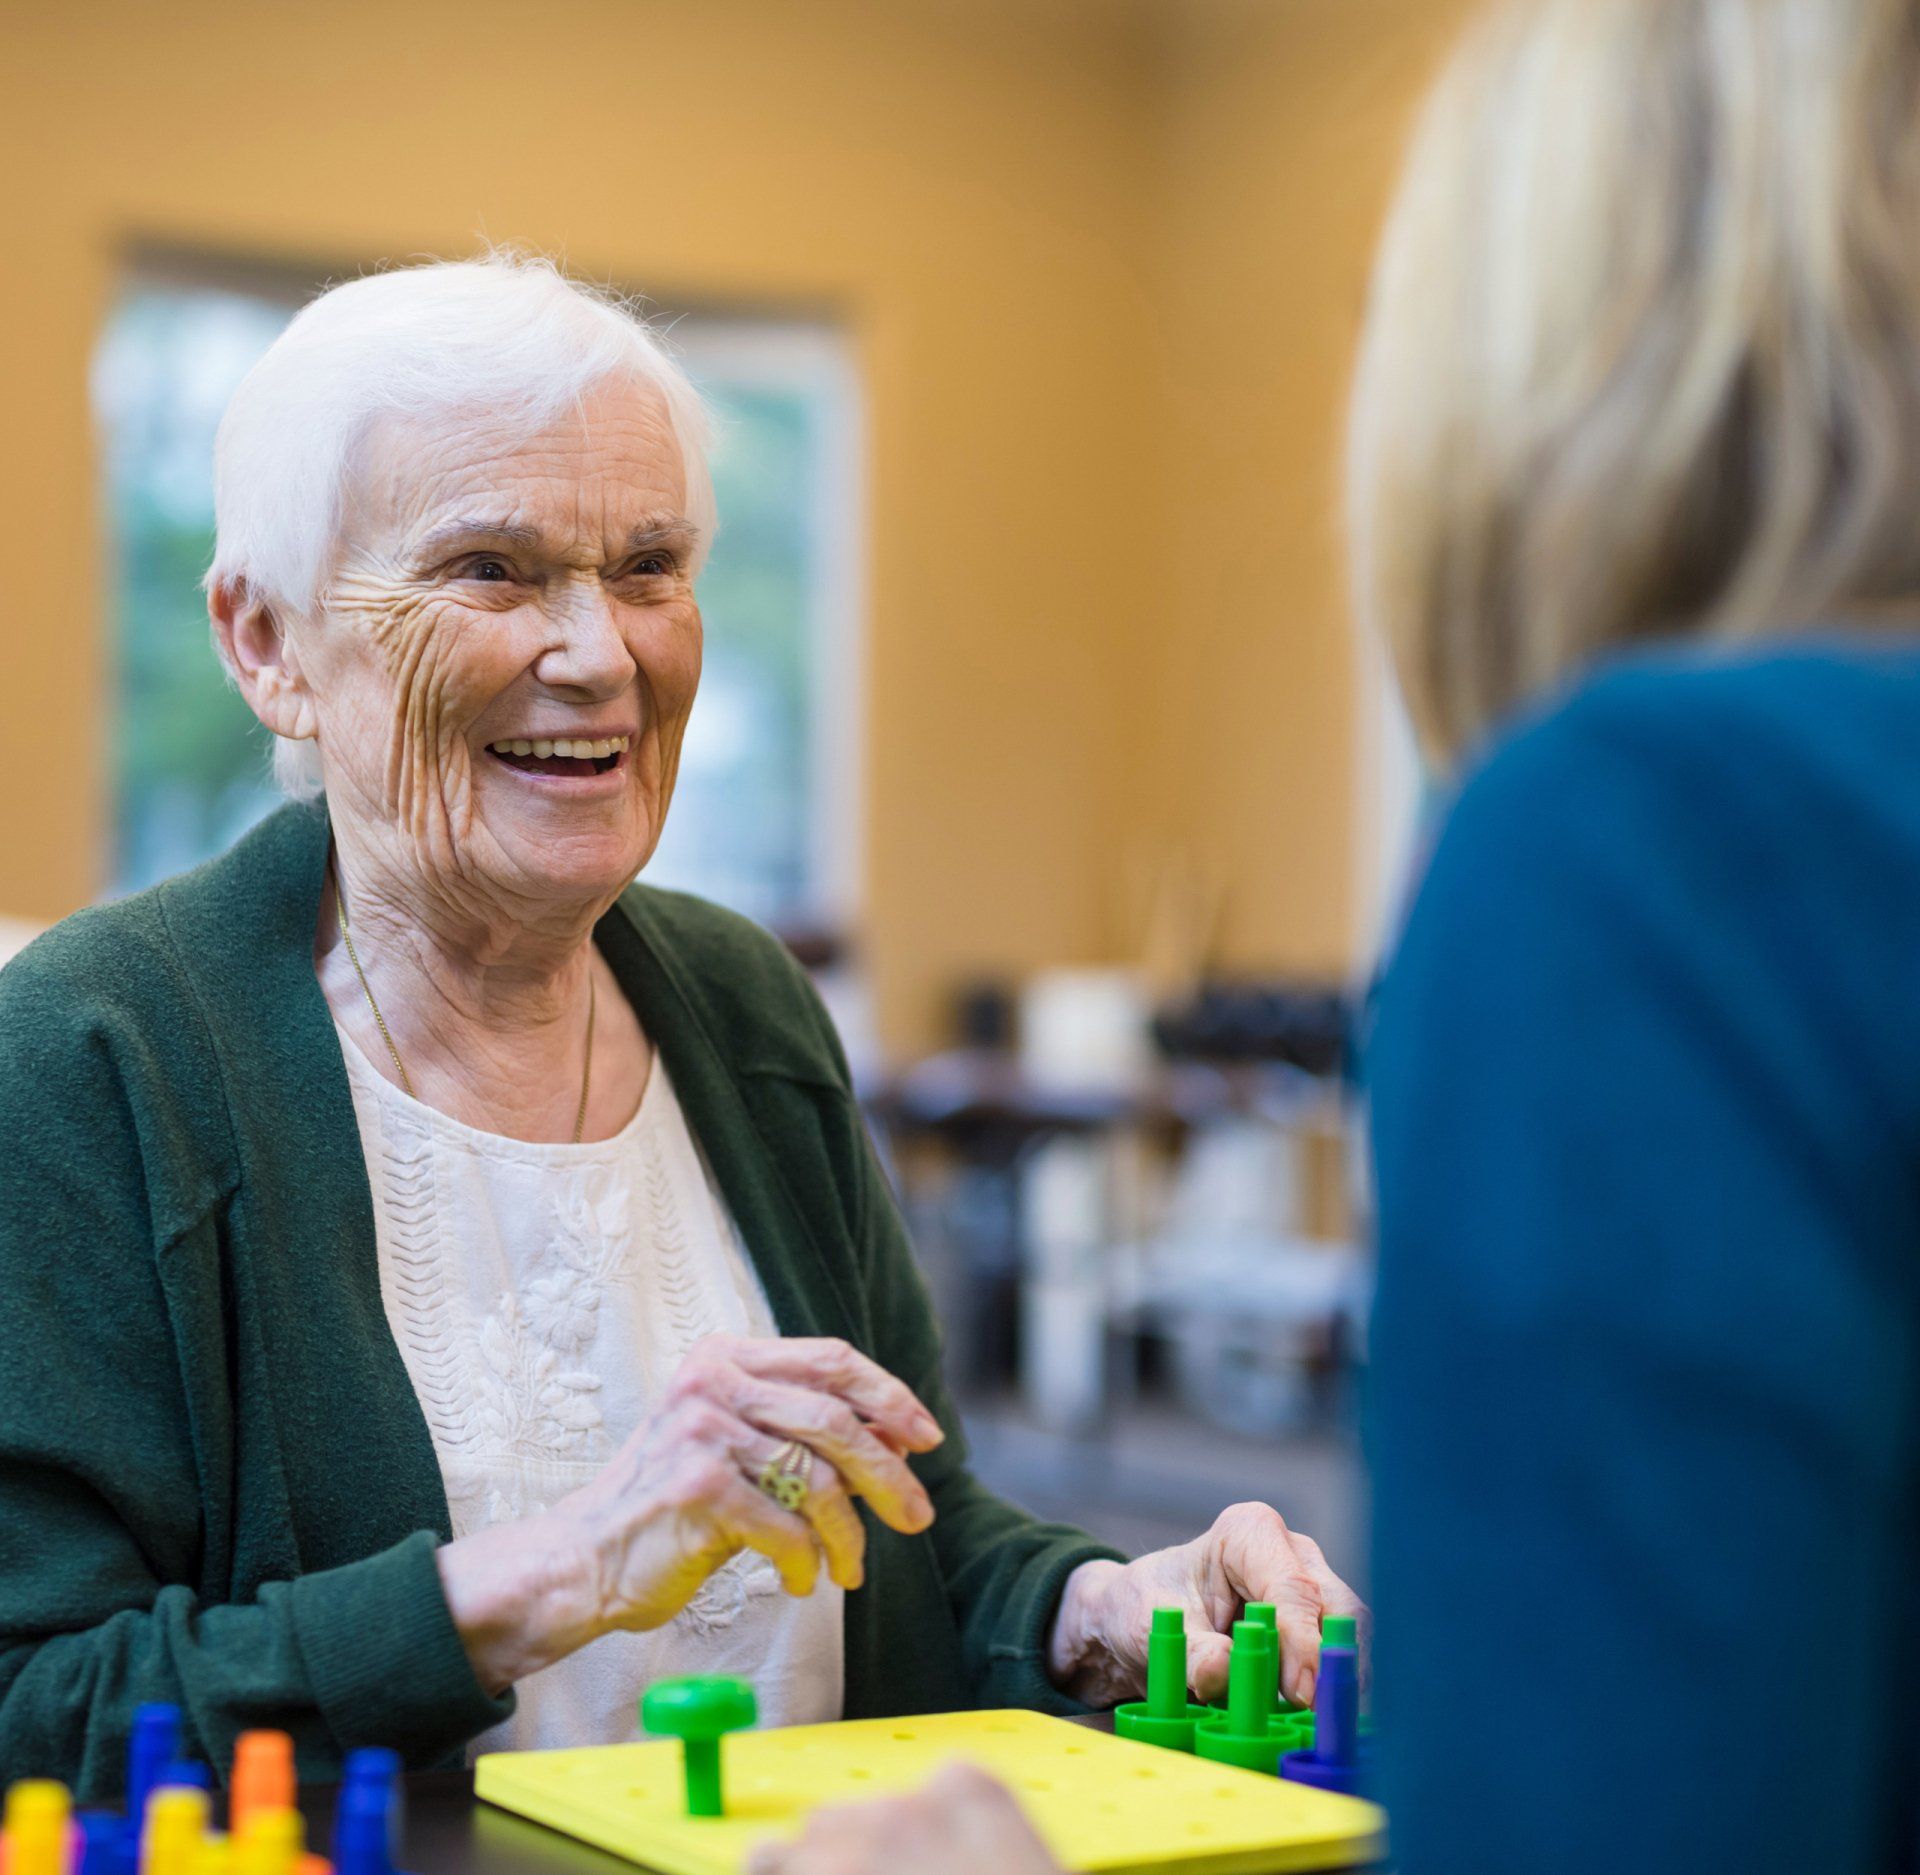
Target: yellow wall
x: 1101, y: 260
x: 1279, y: 132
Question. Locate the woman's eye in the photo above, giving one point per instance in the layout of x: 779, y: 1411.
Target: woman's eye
x: 654, y: 565
x: 491, y: 570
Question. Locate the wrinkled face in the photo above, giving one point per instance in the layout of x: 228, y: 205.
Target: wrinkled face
x: 510, y: 647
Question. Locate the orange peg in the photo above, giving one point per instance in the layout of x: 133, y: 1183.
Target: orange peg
x: 262, y: 1776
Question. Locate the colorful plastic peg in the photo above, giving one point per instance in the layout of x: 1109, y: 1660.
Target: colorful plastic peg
x: 176, y: 1828
x: 104, y: 1848
x: 1269, y: 1618
x: 366, y: 1821
x: 700, y: 1711
x: 152, y: 1745
x: 39, y: 1827
x: 1336, y: 1760
x: 1249, y: 1732
x: 268, y: 1841
x: 1166, y: 1717
x: 262, y: 1777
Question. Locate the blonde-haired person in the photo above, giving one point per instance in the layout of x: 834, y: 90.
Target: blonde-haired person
x: 1635, y: 457
x: 1635, y: 460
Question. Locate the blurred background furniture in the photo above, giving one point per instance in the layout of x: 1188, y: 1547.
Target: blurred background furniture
x: 1137, y: 1273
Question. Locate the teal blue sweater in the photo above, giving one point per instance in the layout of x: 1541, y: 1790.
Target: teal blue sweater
x: 1646, y: 1355
x: 216, y: 1485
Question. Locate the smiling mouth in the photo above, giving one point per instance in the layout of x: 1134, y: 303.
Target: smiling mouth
x: 561, y: 756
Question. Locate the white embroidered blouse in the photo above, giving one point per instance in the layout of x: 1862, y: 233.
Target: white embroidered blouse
x: 541, y: 1296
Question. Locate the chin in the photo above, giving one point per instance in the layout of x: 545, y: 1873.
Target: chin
x: 578, y: 863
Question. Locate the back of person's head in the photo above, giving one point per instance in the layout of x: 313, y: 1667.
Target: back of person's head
x: 1643, y: 353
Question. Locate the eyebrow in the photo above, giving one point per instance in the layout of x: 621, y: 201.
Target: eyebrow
x: 473, y: 531
x: 669, y: 530
x: 477, y: 531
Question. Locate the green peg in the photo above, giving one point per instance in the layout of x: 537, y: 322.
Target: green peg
x: 1167, y: 1664
x: 1164, y: 1717
x: 699, y: 1712
x: 1269, y: 1618
x: 1251, y: 1672
x: 1249, y: 1732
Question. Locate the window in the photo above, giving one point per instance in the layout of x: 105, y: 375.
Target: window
x: 766, y: 813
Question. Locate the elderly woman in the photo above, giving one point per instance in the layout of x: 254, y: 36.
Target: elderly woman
x: 447, y: 1285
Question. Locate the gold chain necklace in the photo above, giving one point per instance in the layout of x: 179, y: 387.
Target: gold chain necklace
x: 386, y: 1035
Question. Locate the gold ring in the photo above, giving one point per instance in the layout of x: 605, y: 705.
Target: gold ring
x: 784, y: 1477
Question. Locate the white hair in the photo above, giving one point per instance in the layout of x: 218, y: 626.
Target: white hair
x: 507, y: 335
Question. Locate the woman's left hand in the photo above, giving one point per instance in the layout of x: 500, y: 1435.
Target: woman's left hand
x: 962, y: 1823
x: 1098, y: 1651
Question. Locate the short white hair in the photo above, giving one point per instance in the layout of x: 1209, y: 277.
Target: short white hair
x: 507, y: 335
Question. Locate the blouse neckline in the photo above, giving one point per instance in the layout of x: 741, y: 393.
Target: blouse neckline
x: 653, y: 1097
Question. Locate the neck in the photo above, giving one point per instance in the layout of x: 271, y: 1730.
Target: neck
x: 514, y: 971
x: 487, y: 1008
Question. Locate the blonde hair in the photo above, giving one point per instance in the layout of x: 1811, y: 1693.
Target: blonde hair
x: 1642, y: 356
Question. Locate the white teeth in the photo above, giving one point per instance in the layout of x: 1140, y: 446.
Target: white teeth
x: 573, y: 748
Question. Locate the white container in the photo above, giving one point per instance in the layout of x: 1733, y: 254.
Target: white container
x: 1086, y: 1031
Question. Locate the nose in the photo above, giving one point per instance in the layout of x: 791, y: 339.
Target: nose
x: 588, y: 659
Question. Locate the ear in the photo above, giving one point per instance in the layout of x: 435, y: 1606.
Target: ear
x: 262, y: 658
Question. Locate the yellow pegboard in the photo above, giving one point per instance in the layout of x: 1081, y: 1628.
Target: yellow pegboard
x: 1101, y: 1802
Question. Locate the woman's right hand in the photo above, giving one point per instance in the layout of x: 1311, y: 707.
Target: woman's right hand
x: 630, y: 1548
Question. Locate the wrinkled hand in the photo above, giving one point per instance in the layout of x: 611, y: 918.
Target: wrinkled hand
x: 1098, y: 1651
x: 962, y: 1823
x: 630, y: 1548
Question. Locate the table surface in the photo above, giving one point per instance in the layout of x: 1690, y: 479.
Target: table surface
x: 449, y: 1832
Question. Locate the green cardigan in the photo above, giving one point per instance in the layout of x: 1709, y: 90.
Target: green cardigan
x: 216, y: 1485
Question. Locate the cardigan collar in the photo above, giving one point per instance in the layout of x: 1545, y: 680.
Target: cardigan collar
x: 248, y: 943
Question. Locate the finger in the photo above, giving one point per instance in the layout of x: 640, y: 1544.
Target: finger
x: 834, y: 1366
x: 979, y: 1812
x: 701, y: 1424
x: 800, y: 1857
x: 1338, y: 1599
x: 1262, y: 1564
x: 825, y: 1506
x: 754, y: 1521
x: 855, y: 1838
x: 837, y: 1525
x: 827, y: 1424
x: 1208, y: 1653
x: 963, y: 1786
